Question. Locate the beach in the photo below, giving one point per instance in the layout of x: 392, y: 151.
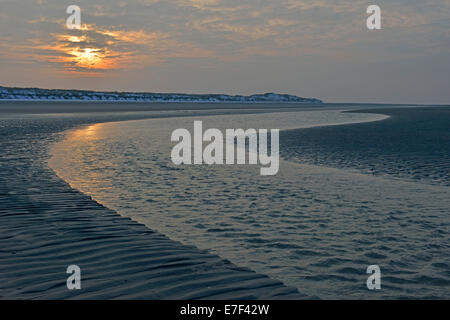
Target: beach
x: 47, y: 226
x: 138, y: 230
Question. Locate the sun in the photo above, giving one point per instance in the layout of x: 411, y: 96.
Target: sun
x: 87, y: 57
x: 91, y: 52
x: 90, y: 58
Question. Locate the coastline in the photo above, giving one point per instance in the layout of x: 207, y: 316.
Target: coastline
x: 367, y: 200
x: 39, y: 94
x: 157, y: 101
x: 55, y: 226
x: 120, y: 258
x: 47, y: 226
x: 65, y: 175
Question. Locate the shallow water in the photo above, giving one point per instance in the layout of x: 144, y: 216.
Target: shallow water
x: 315, y: 228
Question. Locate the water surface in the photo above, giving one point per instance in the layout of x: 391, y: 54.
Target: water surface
x: 313, y: 227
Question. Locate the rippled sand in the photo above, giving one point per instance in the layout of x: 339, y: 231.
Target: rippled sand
x: 45, y: 226
x: 413, y: 144
x: 316, y: 228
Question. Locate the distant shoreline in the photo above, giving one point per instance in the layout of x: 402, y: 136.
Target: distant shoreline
x: 375, y: 104
x: 37, y: 94
x: 155, y: 102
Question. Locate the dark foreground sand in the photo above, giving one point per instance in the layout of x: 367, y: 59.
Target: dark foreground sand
x: 45, y: 226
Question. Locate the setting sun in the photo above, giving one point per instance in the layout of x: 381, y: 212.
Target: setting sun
x: 89, y: 58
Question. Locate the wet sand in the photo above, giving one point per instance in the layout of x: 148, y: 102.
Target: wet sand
x: 45, y: 226
x: 313, y: 227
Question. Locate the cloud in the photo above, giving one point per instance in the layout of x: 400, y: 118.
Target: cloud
x: 130, y: 36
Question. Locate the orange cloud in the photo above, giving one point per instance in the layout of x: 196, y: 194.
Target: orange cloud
x: 137, y: 37
x: 92, y: 50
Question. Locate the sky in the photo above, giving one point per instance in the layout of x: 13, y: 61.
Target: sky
x: 316, y: 48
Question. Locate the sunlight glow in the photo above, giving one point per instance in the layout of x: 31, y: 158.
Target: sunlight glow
x: 89, y: 58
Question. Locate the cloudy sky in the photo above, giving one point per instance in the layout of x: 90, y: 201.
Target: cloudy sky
x: 311, y: 48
